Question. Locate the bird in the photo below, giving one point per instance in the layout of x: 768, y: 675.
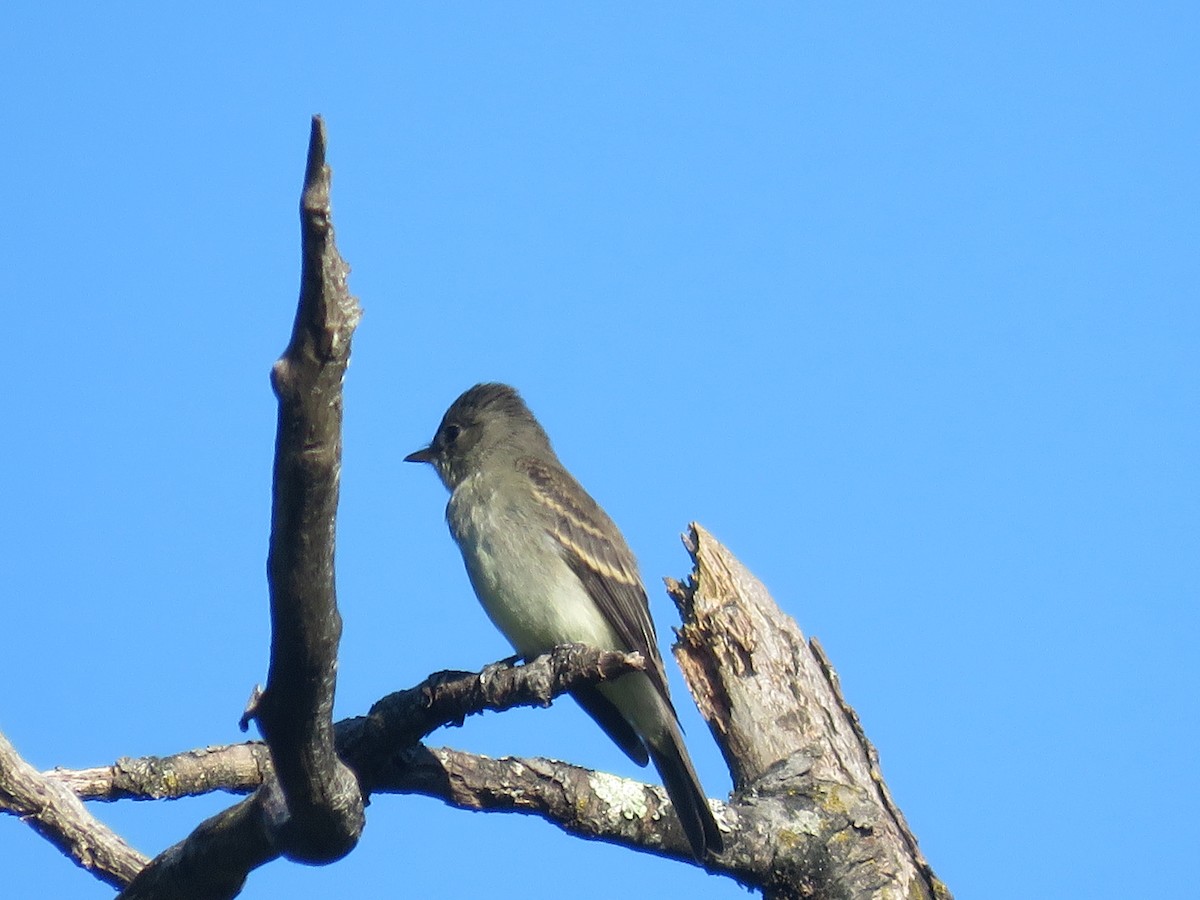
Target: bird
x: 550, y: 567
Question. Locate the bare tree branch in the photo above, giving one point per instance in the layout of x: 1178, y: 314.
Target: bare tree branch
x: 580, y: 801
x: 213, y: 861
x: 311, y: 809
x: 399, y: 720
x: 236, y: 768
x: 366, y: 743
x: 55, y: 813
x: 322, y: 817
x: 589, y: 804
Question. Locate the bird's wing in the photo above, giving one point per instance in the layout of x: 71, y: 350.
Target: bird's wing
x: 595, y: 551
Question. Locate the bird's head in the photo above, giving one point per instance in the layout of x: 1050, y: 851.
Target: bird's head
x: 486, y: 420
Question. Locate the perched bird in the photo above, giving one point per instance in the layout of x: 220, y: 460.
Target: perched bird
x: 550, y: 567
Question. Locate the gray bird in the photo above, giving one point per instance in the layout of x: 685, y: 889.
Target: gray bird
x: 550, y: 567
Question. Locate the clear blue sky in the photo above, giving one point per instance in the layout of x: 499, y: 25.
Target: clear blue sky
x: 901, y: 303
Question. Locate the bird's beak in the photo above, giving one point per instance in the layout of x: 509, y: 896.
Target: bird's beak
x: 424, y: 455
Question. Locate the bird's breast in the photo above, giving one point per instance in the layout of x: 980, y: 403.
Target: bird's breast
x: 518, y: 572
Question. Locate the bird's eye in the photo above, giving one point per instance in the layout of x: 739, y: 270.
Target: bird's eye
x: 451, y: 433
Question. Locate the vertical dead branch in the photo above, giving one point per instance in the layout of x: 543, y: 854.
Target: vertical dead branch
x: 322, y: 816
x: 313, y: 809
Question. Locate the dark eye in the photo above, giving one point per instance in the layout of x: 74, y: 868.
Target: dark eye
x: 450, y: 433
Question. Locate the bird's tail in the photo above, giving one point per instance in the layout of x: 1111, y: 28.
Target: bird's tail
x: 670, y: 757
x: 634, y: 710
